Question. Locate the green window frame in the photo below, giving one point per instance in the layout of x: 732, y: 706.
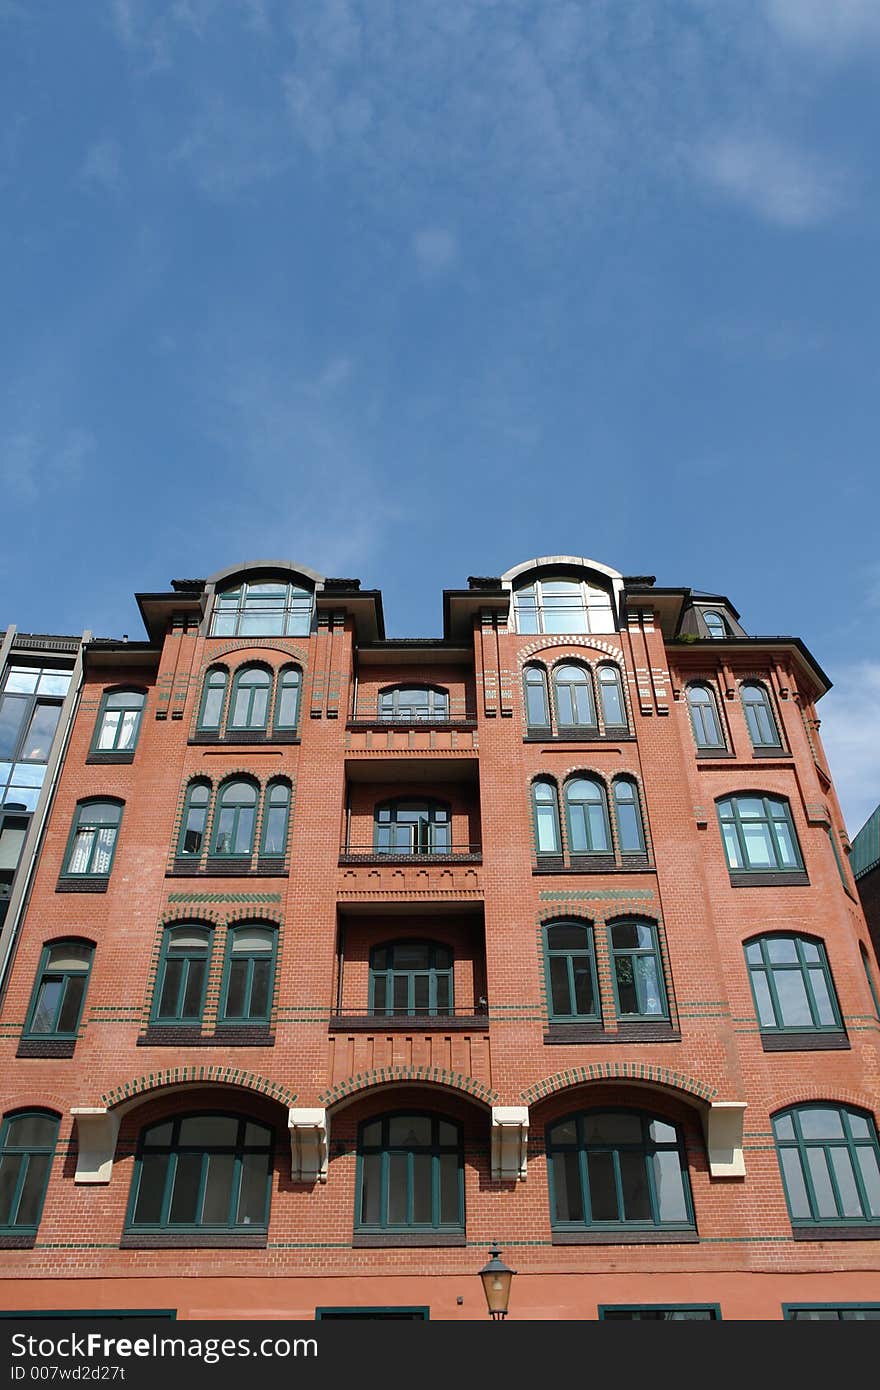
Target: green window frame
x: 27, y: 1148
x: 209, y: 1171
x: 760, y: 719
x: 791, y: 984
x: 659, y: 1312
x: 235, y: 819
x: 611, y: 701
x: 248, y: 973
x: 91, y: 845
x: 194, y: 820
x: 560, y: 603
x: 705, y: 718
x: 617, y: 1169
x: 586, y: 816
x: 410, y: 1174
x: 249, y: 702
x: 118, y: 725
x: 758, y: 834
x: 570, y: 972
x: 276, y: 820
x: 545, y: 810
x: 182, y: 975
x: 869, y: 976
x: 831, y: 1312
x: 829, y: 1158
x: 573, y: 698
x: 59, y: 989
x: 405, y: 826
x: 408, y: 978
x: 213, y: 699
x: 263, y: 608
x: 637, y: 969
x: 536, y: 698
x: 414, y: 703
x: 628, y: 814
x: 287, y: 697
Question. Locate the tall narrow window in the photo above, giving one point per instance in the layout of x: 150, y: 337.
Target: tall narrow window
x: 704, y: 718
x: 410, y: 1175
x: 249, y: 973
x: 758, y: 834
x: 716, y: 624
x: 869, y: 976
x: 234, y: 820
x: 411, y: 977
x: 537, y: 704
x: 617, y: 1169
x: 611, y: 698
x: 571, y: 972
x: 249, y: 705
x: 213, y: 699
x: 546, y: 810
x: 276, y: 815
x: 637, y: 970
x: 27, y: 1147
x: 30, y: 708
x: 586, y: 812
x: 630, y: 831
x: 194, y: 820
x: 202, y: 1173
x: 59, y: 990
x: 759, y: 716
x: 119, y: 721
x: 413, y: 827
x: 792, y: 984
x: 287, y: 698
x: 573, y: 693
x: 92, y: 841
x: 183, y: 974
x: 830, y: 1161
x: 413, y: 703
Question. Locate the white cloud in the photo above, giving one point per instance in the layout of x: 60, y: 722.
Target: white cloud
x: 830, y: 27
x: 850, y: 732
x: 34, y: 463
x: 779, y: 182
x: 435, y: 249
x: 102, y: 166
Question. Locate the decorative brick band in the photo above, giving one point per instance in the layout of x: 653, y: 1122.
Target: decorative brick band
x: 547, y: 643
x: 380, y: 1076
x: 177, y: 1076
x: 628, y: 1071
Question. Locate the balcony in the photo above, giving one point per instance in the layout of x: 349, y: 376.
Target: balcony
x: 369, y: 712
x: 400, y: 1021
x: 419, y: 856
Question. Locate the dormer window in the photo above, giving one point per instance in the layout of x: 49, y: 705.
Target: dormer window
x: 716, y: 623
x: 562, y: 604
x: 265, y: 608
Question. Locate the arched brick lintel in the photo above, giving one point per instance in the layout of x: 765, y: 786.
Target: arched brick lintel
x: 432, y: 1076
x: 654, y: 1076
x: 178, y: 1077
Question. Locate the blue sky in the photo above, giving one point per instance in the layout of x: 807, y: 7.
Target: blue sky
x: 412, y: 291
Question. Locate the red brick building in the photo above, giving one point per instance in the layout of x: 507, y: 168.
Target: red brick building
x: 346, y: 957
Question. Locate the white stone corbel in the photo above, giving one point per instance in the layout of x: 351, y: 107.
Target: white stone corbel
x: 96, y: 1131
x: 510, y: 1137
x: 309, y: 1144
x: 723, y: 1128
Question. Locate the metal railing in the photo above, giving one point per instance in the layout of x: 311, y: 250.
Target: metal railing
x: 358, y: 850
x: 366, y: 711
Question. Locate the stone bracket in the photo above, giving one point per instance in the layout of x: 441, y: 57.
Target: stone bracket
x: 96, y: 1129
x: 723, y: 1128
x: 309, y: 1144
x: 510, y: 1137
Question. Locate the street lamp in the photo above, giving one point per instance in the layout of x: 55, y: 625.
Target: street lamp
x: 496, y: 1279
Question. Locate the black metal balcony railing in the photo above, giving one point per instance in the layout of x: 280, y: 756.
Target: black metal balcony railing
x: 457, y: 1020
x: 356, y: 852
x: 374, y: 712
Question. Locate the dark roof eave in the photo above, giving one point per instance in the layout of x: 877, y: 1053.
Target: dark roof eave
x: 463, y: 604
x: 365, y: 606
x: 823, y: 680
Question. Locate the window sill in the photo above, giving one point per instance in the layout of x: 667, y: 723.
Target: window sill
x: 243, y: 1035
x: 433, y: 725
x: 82, y: 885
x: 10, y: 1241
x: 180, y: 1035
x: 46, y: 1047
x: 243, y: 738
x: 127, y: 756
x: 639, y: 1031
x: 778, y: 752
x: 713, y: 754
x: 409, y: 1023
x: 741, y: 878
x: 578, y: 736
x: 224, y: 868
x: 836, y: 1232
x: 594, y: 864
x: 625, y: 1237
x: 380, y: 1240
x: 834, y: 1040
x: 194, y: 1240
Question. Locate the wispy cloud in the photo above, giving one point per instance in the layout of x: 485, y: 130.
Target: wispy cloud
x: 435, y: 249
x: 829, y: 27
x: 780, y: 182
x: 35, y: 463
x: 229, y: 147
x: 850, y: 715
x: 102, y: 166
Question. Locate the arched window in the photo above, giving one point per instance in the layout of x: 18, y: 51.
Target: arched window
x: 716, y: 624
x: 59, y: 990
x: 27, y: 1147
x: 562, y: 604
x: 830, y: 1162
x: 571, y: 972
x: 630, y: 831
x: 410, y: 1174
x: 213, y: 699
x: 791, y: 984
x: 869, y: 976
x: 266, y: 608
x: 119, y: 721
x: 249, y: 705
x: 92, y: 842
x: 276, y: 816
x: 537, y: 704
x: 573, y: 696
x: 617, y: 1169
x: 759, y: 716
x: 248, y: 974
x: 202, y: 1173
x: 705, y: 721
x: 182, y: 977
x: 546, y: 809
x: 611, y: 698
x: 287, y: 698
x: 235, y: 819
x: 411, y: 977
x: 412, y: 703
x: 586, y: 814
x: 194, y: 820
x: 637, y: 970
x: 413, y: 827
x: 758, y: 834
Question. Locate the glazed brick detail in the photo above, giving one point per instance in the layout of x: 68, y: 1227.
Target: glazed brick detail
x: 804, y: 1042
x: 46, y: 1047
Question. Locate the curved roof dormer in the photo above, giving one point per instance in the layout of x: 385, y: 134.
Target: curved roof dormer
x: 563, y: 594
x: 262, y: 598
